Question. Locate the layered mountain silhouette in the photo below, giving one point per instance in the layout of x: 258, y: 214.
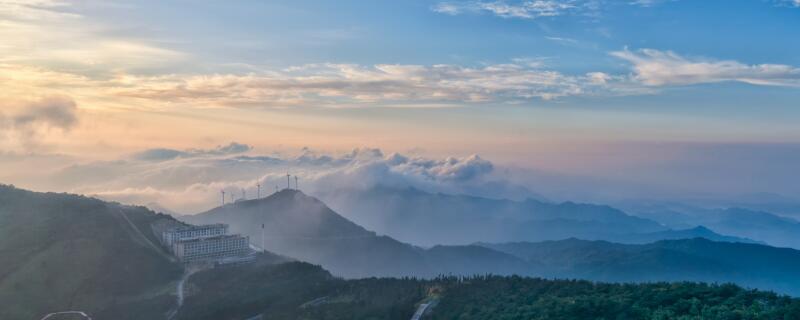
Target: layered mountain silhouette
x: 698, y: 259
x: 762, y: 226
x: 66, y: 252
x: 303, y: 227
x: 423, y: 218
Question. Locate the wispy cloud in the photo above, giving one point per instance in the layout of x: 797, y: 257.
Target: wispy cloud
x: 561, y: 40
x: 53, y: 33
x: 661, y: 68
x: 353, y: 85
x: 510, y: 9
x: 533, y: 9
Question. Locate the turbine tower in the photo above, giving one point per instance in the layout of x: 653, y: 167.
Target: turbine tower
x: 259, y: 190
x: 243, y: 195
x: 295, y: 183
x: 288, y: 185
x: 223, y: 196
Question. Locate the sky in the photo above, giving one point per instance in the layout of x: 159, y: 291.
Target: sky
x: 656, y: 97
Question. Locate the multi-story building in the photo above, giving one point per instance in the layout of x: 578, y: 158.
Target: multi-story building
x: 212, y: 248
x: 189, y: 232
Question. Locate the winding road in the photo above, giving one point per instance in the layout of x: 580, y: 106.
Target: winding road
x: 81, y: 313
x: 420, y: 311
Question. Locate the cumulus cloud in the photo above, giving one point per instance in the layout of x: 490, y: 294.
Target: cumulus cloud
x: 663, y: 68
x: 190, y: 180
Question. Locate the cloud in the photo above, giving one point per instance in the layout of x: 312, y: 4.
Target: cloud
x: 33, y: 119
x: 55, y: 33
x: 163, y: 154
x: 791, y: 3
x: 57, y: 112
x: 561, y: 40
x: 354, y: 85
x: 664, y: 68
x: 190, y: 180
x: 510, y: 9
x: 28, y: 126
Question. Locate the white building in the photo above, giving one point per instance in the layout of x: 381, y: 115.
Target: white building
x: 212, y: 248
x: 184, y: 233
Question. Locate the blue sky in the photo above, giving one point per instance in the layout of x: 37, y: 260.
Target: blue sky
x: 579, y: 86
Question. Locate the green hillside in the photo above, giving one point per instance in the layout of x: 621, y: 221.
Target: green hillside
x: 66, y: 252
x: 302, y: 291
x: 495, y: 298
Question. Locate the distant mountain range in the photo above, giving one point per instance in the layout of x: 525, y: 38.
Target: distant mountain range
x: 66, y: 252
x: 423, y: 218
x: 762, y: 226
x: 698, y: 259
x: 303, y: 227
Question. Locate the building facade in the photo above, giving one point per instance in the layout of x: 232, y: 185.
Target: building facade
x: 184, y: 233
x: 212, y: 248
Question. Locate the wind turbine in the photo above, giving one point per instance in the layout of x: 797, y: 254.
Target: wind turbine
x: 295, y: 183
x: 259, y: 190
x: 223, y: 196
x: 288, y: 185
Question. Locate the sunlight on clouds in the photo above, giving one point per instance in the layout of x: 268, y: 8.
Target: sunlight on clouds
x: 658, y: 68
x: 45, y: 33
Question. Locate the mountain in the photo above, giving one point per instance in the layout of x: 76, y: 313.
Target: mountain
x: 67, y: 252
x: 157, y: 207
x: 696, y: 232
x: 303, y: 291
x: 761, y: 226
x: 423, y: 218
x: 698, y: 259
x: 303, y: 227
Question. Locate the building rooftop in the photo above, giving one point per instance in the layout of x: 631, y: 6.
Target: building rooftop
x: 194, y: 227
x: 211, y: 238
